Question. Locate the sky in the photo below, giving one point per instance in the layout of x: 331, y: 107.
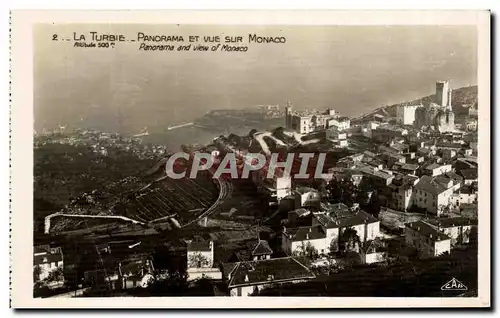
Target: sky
x: 352, y: 69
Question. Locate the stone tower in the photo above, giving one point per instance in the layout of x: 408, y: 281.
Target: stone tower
x: 442, y: 93
x: 288, y: 115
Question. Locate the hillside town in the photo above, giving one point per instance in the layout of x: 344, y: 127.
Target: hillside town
x: 399, y: 193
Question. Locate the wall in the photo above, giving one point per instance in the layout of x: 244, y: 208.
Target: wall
x: 374, y: 258
x: 441, y: 247
x: 319, y: 244
x: 208, y: 255
x: 283, y: 187
x: 425, y: 200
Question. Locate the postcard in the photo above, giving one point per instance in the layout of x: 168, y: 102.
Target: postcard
x: 250, y: 159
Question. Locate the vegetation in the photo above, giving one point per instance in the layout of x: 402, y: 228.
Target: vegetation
x: 306, y: 250
x: 76, y: 175
x: 405, y: 278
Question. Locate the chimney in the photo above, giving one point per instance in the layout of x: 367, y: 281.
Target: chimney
x: 307, y: 236
x: 246, y: 278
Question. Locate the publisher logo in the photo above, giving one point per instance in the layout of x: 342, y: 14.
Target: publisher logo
x: 454, y: 284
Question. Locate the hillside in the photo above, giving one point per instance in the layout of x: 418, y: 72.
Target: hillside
x: 461, y: 96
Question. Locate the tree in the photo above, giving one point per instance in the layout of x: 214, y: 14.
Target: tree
x: 56, y: 275
x: 37, y: 271
x: 197, y: 260
x: 349, y: 240
x: 334, y: 245
x: 342, y: 191
x: 306, y: 250
x: 374, y: 206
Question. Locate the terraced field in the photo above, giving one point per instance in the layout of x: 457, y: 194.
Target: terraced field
x: 186, y: 198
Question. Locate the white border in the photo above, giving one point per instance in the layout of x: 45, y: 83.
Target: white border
x: 22, y: 152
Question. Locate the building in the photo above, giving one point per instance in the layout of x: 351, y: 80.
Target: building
x: 467, y: 194
x: 373, y: 251
x: 340, y: 123
x: 386, y: 133
x: 435, y: 169
x: 306, y: 197
x: 460, y: 230
x: 46, y: 260
x: 135, y: 273
x: 275, y: 188
x: 248, y: 278
x: 438, y: 114
x: 309, y: 121
x: 200, y: 260
x: 434, y: 193
x: 405, y: 114
x: 261, y: 251
x: 469, y: 175
x: 443, y: 93
x: 296, y: 240
x: 402, y: 189
x: 324, y: 234
x: 428, y: 241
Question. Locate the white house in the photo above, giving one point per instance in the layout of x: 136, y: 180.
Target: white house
x: 249, y: 278
x: 326, y: 229
x: 433, y: 194
x: 459, y: 229
x: 47, y: 259
x: 372, y: 251
x: 427, y: 239
x: 341, y: 123
x: 435, y: 169
x: 200, y: 261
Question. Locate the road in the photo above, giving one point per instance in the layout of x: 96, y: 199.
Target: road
x: 225, y: 191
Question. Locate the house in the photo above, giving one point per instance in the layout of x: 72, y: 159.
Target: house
x: 436, y: 169
x: 294, y: 241
x: 373, y: 251
x: 248, y: 278
x: 409, y: 168
x: 461, y: 230
x: 469, y: 175
x: 277, y: 187
x: 135, y: 273
x: 306, y: 197
x: 261, y: 251
x: 380, y: 178
x: 340, y: 123
x: 449, y: 154
x: 433, y: 194
x: 465, y: 163
x: 47, y: 260
x: 324, y: 234
x: 200, y: 260
x: 467, y: 194
x: 402, y: 192
x: 428, y: 241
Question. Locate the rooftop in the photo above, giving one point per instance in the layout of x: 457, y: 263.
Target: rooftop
x: 305, y: 233
x: 425, y: 229
x: 200, y: 246
x: 429, y: 185
x: 453, y: 222
x: 266, y: 272
x: 469, y: 174
x: 262, y: 248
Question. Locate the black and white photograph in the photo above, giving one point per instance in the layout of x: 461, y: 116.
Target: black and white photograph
x: 257, y: 160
